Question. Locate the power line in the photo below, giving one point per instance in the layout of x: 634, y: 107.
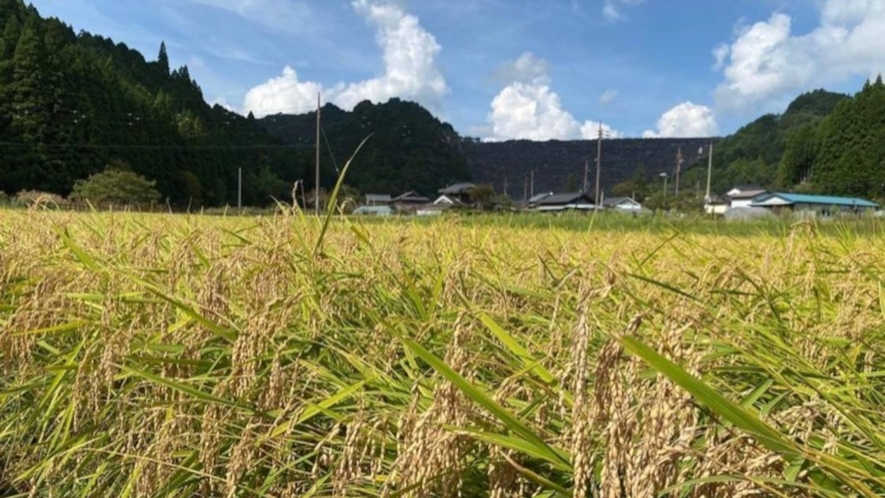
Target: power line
x: 329, y: 147
x: 145, y: 147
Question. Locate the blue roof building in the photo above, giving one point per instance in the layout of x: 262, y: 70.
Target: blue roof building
x: 803, y: 202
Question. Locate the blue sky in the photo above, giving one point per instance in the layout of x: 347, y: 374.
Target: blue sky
x: 536, y: 69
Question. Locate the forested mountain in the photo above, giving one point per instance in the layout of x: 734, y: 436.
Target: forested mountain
x: 409, y: 150
x: 72, y: 103
x: 753, y: 154
x: 844, y: 154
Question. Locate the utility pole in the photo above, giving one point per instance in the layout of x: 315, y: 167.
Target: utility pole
x: 598, y: 167
x: 533, y: 183
x: 316, y: 198
x: 586, y: 173
x: 525, y: 191
x: 678, y: 168
x: 709, y: 173
x: 505, y: 185
x: 240, y: 189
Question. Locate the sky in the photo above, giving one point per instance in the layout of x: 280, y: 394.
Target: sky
x: 510, y: 69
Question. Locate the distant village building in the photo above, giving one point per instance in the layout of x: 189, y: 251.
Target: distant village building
x: 378, y: 199
x: 716, y: 205
x: 743, y: 195
x: 459, y: 191
x: 445, y: 200
x: 440, y: 205
x: 374, y: 211
x: 577, y: 201
x: 535, y: 199
x: 410, y: 201
x: 779, y: 202
x: 622, y: 204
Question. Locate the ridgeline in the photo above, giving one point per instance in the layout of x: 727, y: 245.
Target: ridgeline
x: 559, y: 165
x: 74, y: 103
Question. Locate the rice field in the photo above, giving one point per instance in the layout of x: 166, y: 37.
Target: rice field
x: 190, y: 356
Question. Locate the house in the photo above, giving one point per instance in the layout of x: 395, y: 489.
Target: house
x: 378, y: 199
x: 445, y: 200
x: 432, y: 210
x: 825, y: 205
x: 533, y: 202
x: 409, y: 201
x: 743, y: 195
x: 410, y: 198
x: 460, y: 191
x: 622, y: 204
x: 440, y: 205
x: 716, y: 205
x: 373, y: 211
x: 579, y: 201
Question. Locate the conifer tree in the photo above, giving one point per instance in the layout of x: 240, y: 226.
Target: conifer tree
x: 163, y: 59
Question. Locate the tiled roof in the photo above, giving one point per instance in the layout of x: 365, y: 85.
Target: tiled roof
x: 457, y: 189
x: 567, y: 198
x: 823, y: 200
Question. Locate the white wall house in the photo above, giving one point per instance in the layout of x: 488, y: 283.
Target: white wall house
x: 622, y: 204
x: 743, y: 195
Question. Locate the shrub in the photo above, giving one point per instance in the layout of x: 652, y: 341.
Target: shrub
x: 116, y: 187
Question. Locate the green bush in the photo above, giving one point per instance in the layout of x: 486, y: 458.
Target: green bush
x: 116, y: 187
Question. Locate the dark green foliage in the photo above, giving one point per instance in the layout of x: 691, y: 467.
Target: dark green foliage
x: 410, y: 149
x: 118, y: 187
x: 71, y: 103
x: 798, y: 159
x: 482, y: 195
x: 163, y: 59
x: 754, y: 153
x: 849, y: 146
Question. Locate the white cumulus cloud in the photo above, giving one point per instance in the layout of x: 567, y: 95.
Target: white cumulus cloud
x: 529, y: 109
x: 527, y: 68
x: 768, y: 61
x: 410, y: 70
x: 685, y: 120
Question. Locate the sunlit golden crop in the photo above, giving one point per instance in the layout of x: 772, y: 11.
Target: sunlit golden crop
x: 181, y: 356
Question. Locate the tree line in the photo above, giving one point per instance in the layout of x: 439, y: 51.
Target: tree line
x: 71, y: 104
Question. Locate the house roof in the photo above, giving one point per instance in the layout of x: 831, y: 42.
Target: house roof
x: 749, y: 194
x: 538, y: 197
x: 378, y: 198
x: 822, y: 200
x: 566, y: 198
x: 614, y: 201
x: 747, y: 186
x: 450, y: 201
x: 411, y: 196
x: 457, y: 189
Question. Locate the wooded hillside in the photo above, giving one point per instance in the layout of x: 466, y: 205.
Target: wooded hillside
x: 71, y: 103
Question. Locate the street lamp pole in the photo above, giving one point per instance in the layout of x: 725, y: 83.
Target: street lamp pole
x: 665, y: 176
